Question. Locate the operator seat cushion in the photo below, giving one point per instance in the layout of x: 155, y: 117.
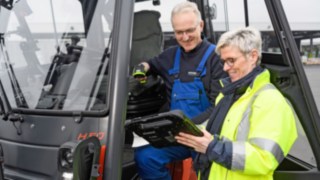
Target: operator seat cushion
x: 147, y: 37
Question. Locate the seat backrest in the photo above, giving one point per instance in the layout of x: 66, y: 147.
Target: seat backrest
x: 147, y: 42
x: 147, y: 37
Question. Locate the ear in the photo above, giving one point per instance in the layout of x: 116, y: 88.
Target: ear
x: 254, y: 56
x: 201, y: 25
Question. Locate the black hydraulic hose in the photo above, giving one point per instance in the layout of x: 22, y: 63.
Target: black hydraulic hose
x: 1, y: 163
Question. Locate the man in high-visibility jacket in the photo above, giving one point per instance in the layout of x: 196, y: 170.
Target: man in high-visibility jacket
x: 252, y: 127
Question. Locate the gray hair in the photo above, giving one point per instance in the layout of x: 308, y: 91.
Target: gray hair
x: 186, y: 6
x: 245, y: 38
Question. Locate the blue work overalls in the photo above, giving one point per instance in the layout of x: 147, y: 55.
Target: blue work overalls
x: 191, y: 98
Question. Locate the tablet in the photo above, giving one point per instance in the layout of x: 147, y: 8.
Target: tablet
x: 159, y: 129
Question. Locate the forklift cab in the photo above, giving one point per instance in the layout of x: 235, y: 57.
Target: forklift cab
x: 66, y: 92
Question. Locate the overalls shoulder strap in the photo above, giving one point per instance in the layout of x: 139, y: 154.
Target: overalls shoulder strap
x: 176, y: 67
x: 200, y: 69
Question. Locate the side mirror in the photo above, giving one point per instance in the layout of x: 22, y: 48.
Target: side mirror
x: 80, y: 159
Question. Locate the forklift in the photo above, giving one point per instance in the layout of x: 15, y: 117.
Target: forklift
x: 66, y: 90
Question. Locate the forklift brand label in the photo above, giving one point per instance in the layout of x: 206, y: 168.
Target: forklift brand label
x: 99, y: 135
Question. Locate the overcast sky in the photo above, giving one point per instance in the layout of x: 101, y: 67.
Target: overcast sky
x: 302, y: 14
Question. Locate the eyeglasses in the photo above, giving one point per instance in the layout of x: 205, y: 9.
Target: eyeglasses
x: 187, y: 32
x: 230, y: 61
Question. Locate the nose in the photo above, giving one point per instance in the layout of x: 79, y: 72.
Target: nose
x: 226, y: 67
x: 185, y: 36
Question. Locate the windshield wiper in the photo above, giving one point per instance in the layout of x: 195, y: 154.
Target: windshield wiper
x: 4, y: 103
x: 20, y: 100
x: 5, y: 107
x: 7, y: 112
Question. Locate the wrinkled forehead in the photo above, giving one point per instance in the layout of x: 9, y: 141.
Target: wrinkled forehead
x: 184, y: 19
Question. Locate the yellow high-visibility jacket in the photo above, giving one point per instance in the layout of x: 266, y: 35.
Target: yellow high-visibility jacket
x: 261, y: 127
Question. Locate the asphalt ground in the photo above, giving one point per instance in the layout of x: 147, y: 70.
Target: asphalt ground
x: 313, y: 75
x: 301, y: 149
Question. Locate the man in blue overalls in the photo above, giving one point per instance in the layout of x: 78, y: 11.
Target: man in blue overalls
x: 191, y: 72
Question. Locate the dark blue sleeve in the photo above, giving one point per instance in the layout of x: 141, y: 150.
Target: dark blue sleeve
x: 220, y: 152
x: 161, y: 64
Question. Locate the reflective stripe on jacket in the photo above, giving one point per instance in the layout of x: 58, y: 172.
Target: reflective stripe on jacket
x: 261, y: 127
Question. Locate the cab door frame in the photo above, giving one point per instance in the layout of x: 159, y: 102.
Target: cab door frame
x: 306, y: 108
x: 119, y: 74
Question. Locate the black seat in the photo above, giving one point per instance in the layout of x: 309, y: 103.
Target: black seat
x: 147, y: 42
x: 147, y: 37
